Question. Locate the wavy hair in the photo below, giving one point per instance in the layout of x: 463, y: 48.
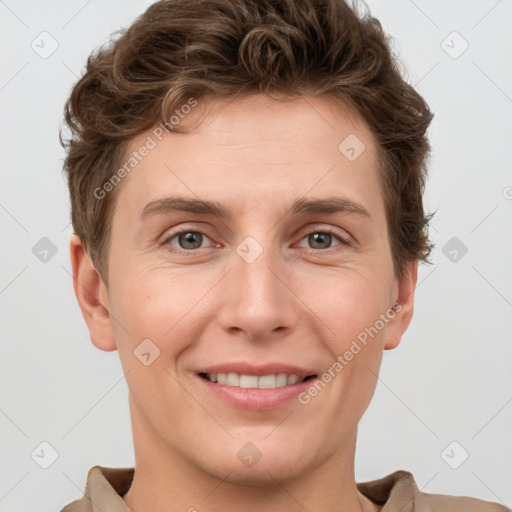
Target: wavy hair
x: 180, y: 49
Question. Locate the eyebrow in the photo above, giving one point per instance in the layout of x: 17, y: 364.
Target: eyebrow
x: 304, y: 205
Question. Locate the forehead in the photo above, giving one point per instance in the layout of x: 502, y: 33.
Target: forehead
x: 254, y: 151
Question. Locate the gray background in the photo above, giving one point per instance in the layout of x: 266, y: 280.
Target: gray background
x: 449, y: 380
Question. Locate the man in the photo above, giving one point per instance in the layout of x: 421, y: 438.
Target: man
x: 246, y: 181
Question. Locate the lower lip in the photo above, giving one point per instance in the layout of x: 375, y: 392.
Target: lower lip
x: 255, y: 398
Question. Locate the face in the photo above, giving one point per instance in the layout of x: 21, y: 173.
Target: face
x: 285, y: 270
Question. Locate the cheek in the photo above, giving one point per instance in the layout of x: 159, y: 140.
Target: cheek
x: 347, y: 303
x: 351, y: 310
x: 158, y: 306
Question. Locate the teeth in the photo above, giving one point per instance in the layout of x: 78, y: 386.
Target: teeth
x: 276, y: 380
x: 248, y: 381
x: 281, y: 380
x: 292, y: 379
x: 267, y: 381
x: 232, y: 379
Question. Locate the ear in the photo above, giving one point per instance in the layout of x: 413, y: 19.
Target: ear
x: 92, y: 297
x: 404, y: 307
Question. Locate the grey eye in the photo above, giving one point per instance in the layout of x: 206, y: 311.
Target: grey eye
x: 320, y: 240
x: 188, y: 239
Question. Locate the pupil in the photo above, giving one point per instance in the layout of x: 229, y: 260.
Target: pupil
x: 188, y: 238
x: 321, y: 238
x: 196, y: 238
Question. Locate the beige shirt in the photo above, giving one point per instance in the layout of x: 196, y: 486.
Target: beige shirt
x: 397, y: 492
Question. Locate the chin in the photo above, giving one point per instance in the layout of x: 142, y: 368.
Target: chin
x: 263, y: 474
x: 257, y: 464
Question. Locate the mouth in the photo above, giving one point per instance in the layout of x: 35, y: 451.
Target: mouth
x: 270, y: 381
x: 256, y: 387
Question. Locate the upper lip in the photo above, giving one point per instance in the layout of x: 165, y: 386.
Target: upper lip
x: 245, y: 368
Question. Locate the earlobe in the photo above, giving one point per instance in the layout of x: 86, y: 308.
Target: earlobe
x: 91, y: 294
x: 404, y: 306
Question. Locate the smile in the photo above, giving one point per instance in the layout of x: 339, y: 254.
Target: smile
x: 271, y: 381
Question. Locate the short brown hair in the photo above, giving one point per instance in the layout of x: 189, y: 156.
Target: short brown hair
x: 180, y: 49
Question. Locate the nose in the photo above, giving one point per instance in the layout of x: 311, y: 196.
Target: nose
x: 257, y: 300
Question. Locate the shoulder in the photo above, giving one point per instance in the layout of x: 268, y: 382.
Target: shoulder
x: 447, y: 503
x: 104, y: 489
x: 428, y: 502
x: 399, y: 489
x: 75, y: 506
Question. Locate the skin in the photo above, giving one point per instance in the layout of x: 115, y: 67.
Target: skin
x: 298, y: 302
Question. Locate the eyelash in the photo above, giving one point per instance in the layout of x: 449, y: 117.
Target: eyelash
x: 172, y: 236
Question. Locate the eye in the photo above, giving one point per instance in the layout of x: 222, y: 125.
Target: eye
x: 322, y: 239
x: 187, y: 240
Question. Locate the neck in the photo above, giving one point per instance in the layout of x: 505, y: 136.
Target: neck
x: 165, y: 481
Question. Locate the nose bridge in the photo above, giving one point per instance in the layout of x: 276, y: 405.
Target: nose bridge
x: 258, y: 301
